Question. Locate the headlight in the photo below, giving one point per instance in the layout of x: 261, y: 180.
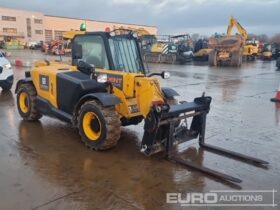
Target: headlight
x: 165, y: 75
x: 102, y: 78
x: 7, y: 66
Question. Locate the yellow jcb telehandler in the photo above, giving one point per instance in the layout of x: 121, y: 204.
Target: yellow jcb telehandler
x: 107, y: 87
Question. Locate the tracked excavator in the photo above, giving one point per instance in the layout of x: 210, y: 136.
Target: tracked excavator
x: 107, y: 87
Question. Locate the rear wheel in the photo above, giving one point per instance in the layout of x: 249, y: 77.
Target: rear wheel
x: 26, y: 102
x: 212, y: 59
x: 99, y: 127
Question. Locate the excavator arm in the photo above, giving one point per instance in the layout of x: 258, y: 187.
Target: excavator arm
x: 233, y: 22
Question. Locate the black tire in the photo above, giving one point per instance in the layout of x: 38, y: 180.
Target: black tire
x: 7, y: 86
x: 174, y: 59
x: 236, y: 59
x: 31, y: 114
x: 278, y: 63
x: 212, y: 59
x: 106, y: 122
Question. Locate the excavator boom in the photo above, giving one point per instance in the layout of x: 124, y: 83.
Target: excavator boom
x: 233, y: 22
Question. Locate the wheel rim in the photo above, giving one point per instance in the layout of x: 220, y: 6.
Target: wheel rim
x: 91, y: 126
x: 23, y: 102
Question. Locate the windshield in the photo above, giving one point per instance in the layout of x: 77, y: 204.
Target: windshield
x: 93, y: 50
x: 125, y: 54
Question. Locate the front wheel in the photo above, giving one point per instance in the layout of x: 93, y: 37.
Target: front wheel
x: 99, y: 126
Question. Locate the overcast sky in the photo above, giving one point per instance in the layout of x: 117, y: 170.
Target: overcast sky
x: 170, y: 16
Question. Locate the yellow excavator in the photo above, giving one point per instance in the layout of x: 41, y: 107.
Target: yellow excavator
x: 251, y: 47
x: 67, y: 39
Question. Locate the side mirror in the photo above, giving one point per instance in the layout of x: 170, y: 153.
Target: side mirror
x: 77, y: 51
x: 1, y: 69
x: 165, y: 75
x: 85, y: 68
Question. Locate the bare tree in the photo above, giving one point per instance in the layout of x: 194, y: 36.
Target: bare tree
x: 263, y: 38
x: 275, y: 38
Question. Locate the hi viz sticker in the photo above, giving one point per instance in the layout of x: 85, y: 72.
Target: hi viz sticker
x: 115, y: 79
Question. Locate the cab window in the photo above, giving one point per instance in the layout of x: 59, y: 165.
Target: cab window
x: 93, y: 50
x: 125, y: 54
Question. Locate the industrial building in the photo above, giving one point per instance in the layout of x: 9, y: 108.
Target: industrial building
x: 29, y: 26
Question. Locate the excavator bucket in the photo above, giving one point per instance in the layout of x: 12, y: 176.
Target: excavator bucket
x: 167, y: 126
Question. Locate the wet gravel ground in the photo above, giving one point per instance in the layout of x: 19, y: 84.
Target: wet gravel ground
x: 44, y: 165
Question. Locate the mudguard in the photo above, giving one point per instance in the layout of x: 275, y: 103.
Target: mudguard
x: 23, y: 81
x: 106, y: 99
x: 169, y: 93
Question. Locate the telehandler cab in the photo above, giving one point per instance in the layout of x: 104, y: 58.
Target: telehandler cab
x: 106, y: 87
